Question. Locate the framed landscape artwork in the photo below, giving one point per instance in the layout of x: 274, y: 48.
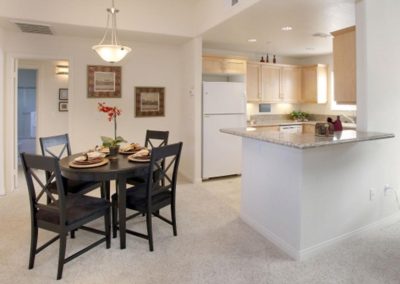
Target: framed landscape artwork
x: 149, y: 101
x: 104, y: 81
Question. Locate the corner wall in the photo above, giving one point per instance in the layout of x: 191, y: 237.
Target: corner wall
x: 2, y: 88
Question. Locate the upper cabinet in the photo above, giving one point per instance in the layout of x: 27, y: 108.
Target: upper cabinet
x: 270, y: 83
x: 220, y: 65
x: 344, y: 65
x: 253, y: 79
x: 291, y: 84
x: 273, y: 83
x: 314, y: 80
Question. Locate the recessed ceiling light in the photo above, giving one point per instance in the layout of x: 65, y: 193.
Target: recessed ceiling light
x: 252, y: 40
x: 287, y: 28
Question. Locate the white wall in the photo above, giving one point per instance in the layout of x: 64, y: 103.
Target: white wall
x: 147, y: 65
x: 191, y: 110
x: 2, y: 158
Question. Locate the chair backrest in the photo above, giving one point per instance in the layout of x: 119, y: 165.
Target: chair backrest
x: 55, y: 146
x: 168, y: 155
x: 155, y: 138
x: 35, y: 167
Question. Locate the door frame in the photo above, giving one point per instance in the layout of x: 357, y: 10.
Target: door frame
x: 10, y: 110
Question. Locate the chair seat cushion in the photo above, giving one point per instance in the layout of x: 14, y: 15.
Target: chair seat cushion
x: 78, y: 207
x: 76, y: 186
x: 136, y: 198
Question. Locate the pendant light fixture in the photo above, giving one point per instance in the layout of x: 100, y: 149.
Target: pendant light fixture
x: 113, y: 51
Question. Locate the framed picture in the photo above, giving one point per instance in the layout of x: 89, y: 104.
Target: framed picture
x: 104, y: 81
x: 63, y: 94
x: 63, y: 106
x: 149, y: 101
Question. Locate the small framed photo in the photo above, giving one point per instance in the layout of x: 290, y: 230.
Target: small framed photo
x: 149, y: 101
x: 104, y: 81
x: 63, y: 94
x: 63, y: 106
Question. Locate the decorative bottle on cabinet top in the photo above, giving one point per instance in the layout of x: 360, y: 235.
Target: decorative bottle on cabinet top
x: 262, y: 59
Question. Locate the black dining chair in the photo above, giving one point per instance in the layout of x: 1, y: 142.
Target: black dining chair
x: 154, y: 139
x: 58, y: 146
x: 64, y: 213
x: 150, y: 197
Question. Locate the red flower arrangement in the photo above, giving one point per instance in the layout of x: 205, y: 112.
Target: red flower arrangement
x: 112, y: 113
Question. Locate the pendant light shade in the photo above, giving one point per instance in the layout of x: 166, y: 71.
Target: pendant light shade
x: 113, y: 51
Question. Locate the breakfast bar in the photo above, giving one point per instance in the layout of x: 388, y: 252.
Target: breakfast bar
x: 305, y: 192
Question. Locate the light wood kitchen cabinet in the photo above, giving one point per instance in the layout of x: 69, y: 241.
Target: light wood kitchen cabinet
x: 344, y: 64
x: 253, y: 89
x: 220, y: 65
x: 308, y: 128
x: 273, y: 83
x: 270, y: 83
x: 290, y: 84
x: 314, y: 84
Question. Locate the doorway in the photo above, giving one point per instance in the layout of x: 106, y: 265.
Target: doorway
x: 27, y: 92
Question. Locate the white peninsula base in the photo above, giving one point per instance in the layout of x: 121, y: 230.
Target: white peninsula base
x: 306, y: 199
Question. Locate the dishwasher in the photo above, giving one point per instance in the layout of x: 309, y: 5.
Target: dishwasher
x: 291, y: 128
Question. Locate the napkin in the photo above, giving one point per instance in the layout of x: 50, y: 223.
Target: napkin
x: 141, y: 154
x: 89, y: 156
x: 130, y: 147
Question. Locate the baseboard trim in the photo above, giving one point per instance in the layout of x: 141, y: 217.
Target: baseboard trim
x: 311, y: 251
x: 277, y: 241
x: 300, y: 255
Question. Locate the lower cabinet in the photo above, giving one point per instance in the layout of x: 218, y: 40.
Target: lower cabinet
x: 308, y: 128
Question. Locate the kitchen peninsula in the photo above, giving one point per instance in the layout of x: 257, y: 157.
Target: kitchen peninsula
x: 305, y: 192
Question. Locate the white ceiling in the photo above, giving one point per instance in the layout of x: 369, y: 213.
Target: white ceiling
x: 264, y: 20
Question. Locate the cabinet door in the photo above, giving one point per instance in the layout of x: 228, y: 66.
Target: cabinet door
x: 291, y: 84
x: 212, y: 65
x: 308, y: 129
x: 309, y: 84
x: 253, y: 91
x: 344, y: 58
x: 270, y: 83
x: 234, y: 66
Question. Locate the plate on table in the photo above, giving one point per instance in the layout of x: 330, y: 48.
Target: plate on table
x: 130, y: 149
x: 143, y: 159
x: 88, y: 164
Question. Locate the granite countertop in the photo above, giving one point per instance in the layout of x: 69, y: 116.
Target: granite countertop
x: 305, y: 141
x: 292, y: 122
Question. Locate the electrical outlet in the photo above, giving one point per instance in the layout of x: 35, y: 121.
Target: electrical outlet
x: 372, y: 194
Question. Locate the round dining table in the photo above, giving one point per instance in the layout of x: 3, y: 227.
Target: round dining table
x: 118, y: 169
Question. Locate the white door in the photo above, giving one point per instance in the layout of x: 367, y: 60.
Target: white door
x: 224, y: 97
x: 222, y: 153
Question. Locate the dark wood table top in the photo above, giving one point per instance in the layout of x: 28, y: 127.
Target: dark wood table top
x: 119, y: 166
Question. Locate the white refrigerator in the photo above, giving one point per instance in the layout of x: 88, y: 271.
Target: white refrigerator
x: 224, y: 106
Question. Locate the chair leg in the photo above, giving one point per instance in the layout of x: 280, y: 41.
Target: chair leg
x: 61, y: 256
x: 173, y: 218
x: 73, y: 234
x: 107, y: 224
x: 114, y: 218
x: 149, y: 230
x: 34, y: 238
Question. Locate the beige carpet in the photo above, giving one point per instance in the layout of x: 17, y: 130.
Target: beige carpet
x: 213, y: 246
